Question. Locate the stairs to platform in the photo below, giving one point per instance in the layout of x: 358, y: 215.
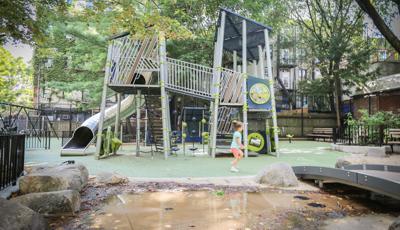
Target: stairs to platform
x: 154, y: 119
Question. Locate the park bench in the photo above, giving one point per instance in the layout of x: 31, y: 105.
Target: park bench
x: 393, y: 137
x: 321, y: 133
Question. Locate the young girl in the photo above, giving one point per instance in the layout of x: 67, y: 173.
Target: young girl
x: 236, y: 145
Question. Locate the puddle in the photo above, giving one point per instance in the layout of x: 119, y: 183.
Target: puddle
x: 201, y: 209
x: 301, y: 197
x: 316, y: 205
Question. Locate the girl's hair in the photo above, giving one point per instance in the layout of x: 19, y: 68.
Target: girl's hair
x: 237, y: 124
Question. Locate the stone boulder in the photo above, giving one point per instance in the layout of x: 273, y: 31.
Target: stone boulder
x: 395, y: 225
x: 109, y: 178
x: 54, y: 178
x: 342, y: 161
x: 14, y: 216
x: 277, y: 175
x: 58, y: 203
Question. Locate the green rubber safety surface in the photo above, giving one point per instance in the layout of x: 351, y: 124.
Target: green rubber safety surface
x: 295, y: 153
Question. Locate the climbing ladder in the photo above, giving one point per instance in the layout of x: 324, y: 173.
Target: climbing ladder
x: 152, y: 106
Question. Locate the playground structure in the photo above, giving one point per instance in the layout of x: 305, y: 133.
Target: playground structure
x: 141, y: 69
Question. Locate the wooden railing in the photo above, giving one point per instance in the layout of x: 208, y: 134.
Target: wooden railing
x: 130, y: 58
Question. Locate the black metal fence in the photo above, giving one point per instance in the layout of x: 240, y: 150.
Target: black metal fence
x: 34, y: 123
x: 12, y: 153
x: 361, y: 135
x: 37, y: 139
x: 66, y: 136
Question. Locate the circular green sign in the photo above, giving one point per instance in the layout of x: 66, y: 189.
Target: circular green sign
x: 259, y: 93
x: 256, y: 142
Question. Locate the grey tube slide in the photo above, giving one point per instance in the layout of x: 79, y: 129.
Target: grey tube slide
x: 84, y: 134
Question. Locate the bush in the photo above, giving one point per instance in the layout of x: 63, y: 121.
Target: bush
x: 379, y: 118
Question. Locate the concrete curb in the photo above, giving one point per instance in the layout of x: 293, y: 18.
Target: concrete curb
x: 247, y: 181
x: 373, y: 151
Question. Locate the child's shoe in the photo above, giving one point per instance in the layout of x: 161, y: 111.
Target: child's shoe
x: 233, y: 169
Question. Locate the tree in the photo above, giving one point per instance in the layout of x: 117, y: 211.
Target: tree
x: 77, y: 38
x: 15, y: 79
x: 333, y: 32
x: 76, y: 47
x: 368, y: 8
x: 22, y: 21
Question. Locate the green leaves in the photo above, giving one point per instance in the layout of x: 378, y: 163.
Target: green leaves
x: 15, y: 79
x: 22, y: 21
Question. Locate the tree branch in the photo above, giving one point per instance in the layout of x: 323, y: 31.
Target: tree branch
x: 369, y: 9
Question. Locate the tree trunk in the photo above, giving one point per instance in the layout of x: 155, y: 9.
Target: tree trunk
x: 338, y: 98
x: 368, y: 8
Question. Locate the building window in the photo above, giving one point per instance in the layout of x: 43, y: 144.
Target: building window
x: 382, y: 55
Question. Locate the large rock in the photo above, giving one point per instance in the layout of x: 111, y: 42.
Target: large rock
x: 395, y: 225
x: 54, y: 178
x: 14, y: 216
x: 277, y: 175
x: 109, y: 178
x: 342, y: 161
x: 66, y: 202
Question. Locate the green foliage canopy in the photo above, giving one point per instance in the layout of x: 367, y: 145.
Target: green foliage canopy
x: 15, y: 79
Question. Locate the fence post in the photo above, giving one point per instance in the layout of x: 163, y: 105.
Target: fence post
x: 349, y: 134
x: 335, y: 133
x: 381, y: 135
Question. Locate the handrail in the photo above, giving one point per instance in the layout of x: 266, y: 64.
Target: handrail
x: 192, y: 78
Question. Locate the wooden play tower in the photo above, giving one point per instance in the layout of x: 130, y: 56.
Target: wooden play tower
x: 141, y: 68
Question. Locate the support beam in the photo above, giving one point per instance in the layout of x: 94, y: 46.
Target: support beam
x: 234, y: 60
x: 164, y: 105
x: 138, y: 103
x: 118, y: 116
x: 103, y: 103
x: 145, y: 127
x: 261, y: 55
x: 217, y: 68
x: 244, y: 89
x: 272, y: 89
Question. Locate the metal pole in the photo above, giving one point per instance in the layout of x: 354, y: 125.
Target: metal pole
x: 118, y: 115
x: 255, y: 70
x: 244, y: 89
x: 103, y: 104
x: 261, y: 62
x: 271, y: 85
x: 217, y: 68
x: 138, y: 123
x: 121, y: 133
x: 145, y: 128
x: 163, y: 77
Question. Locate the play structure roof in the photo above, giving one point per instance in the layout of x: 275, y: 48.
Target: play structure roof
x: 233, y: 34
